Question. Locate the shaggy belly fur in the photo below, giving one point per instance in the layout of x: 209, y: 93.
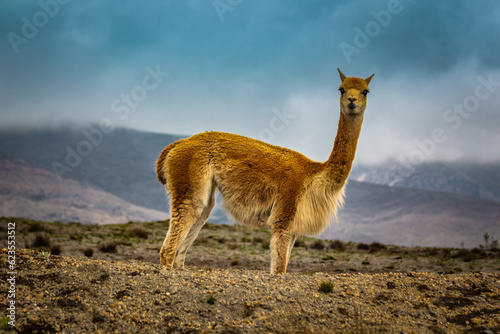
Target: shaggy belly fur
x: 253, y: 205
x: 252, y: 208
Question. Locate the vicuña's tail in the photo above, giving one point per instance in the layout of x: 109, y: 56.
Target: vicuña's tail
x: 160, y: 170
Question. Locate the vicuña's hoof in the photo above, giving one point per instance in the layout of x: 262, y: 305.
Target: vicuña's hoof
x: 178, y: 267
x: 165, y: 263
x: 278, y: 273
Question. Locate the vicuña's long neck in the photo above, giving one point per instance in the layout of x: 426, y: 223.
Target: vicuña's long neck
x: 340, y: 162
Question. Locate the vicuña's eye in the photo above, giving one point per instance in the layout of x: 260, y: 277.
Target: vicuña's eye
x: 342, y: 91
x: 365, y: 92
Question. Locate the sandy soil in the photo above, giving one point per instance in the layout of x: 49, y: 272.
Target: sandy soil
x: 81, y: 295
x: 331, y: 287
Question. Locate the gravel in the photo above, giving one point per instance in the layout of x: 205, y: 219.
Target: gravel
x: 82, y: 295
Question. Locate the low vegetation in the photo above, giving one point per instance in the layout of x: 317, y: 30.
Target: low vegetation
x: 326, y: 287
x: 88, y: 252
x: 238, y: 247
x: 107, y: 278
x: 490, y: 244
x: 108, y: 247
x: 211, y: 299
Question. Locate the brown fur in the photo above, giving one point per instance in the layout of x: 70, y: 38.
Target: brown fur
x: 262, y: 185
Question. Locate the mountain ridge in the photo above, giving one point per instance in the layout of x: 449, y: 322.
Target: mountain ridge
x: 410, y: 217
x: 121, y: 165
x: 461, y: 177
x: 68, y: 200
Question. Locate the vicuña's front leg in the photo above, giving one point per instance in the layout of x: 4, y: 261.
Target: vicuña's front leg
x: 280, y: 244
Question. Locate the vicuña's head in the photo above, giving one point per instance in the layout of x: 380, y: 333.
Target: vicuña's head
x: 353, y: 94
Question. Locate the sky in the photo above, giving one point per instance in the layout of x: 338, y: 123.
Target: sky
x: 263, y: 69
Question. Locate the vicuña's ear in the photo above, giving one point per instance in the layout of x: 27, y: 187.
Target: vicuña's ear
x: 342, y: 76
x: 369, y: 79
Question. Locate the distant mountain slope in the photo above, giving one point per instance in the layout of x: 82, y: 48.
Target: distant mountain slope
x: 35, y: 193
x: 122, y: 163
x: 474, y: 179
x: 116, y: 181
x: 414, y: 217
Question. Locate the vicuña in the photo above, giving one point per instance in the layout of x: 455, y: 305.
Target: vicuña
x: 262, y: 185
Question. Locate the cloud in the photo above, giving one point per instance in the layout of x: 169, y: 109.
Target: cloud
x: 230, y: 75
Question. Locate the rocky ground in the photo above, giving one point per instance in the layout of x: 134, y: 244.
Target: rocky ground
x: 108, y: 279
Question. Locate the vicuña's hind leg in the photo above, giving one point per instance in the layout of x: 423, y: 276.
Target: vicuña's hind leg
x: 280, y: 250
x: 182, y: 218
x: 193, y: 232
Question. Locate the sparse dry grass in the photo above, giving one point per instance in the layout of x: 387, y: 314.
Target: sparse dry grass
x: 222, y: 246
x: 327, y: 275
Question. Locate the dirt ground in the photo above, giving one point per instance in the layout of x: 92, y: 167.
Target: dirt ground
x: 107, y: 279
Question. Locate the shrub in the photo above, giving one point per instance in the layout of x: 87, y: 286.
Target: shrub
x: 56, y: 250
x: 326, y: 287
x: 257, y: 239
x: 211, y: 299
x: 363, y: 246
x: 337, y: 245
x: 44, y: 254
x: 88, y: 252
x: 318, y: 244
x: 95, y: 315
x: 431, y: 252
x: 478, y: 252
x: 41, y: 241
x: 4, y: 322
x: 108, y: 247
x: 490, y: 244
x: 138, y: 232
x: 462, y: 254
x: 35, y: 227
x: 299, y: 243
x: 376, y: 246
